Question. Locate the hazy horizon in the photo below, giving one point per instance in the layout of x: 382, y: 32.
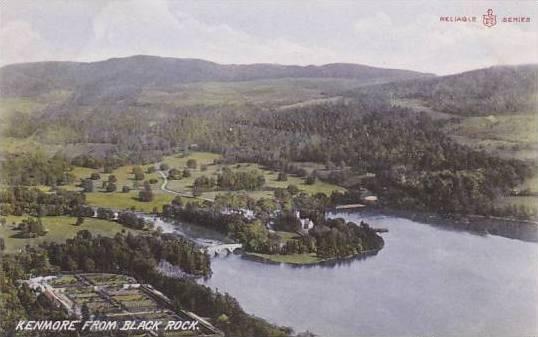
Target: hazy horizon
x: 386, y: 35
x: 268, y: 63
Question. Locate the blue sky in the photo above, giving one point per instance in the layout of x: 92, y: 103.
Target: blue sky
x: 395, y: 34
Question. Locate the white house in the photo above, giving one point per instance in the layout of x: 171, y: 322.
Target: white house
x: 306, y: 224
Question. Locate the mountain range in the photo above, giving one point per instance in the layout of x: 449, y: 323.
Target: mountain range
x: 141, y: 71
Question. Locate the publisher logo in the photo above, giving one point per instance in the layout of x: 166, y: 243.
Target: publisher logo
x: 489, y: 19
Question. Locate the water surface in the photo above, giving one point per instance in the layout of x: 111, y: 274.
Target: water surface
x: 426, y: 281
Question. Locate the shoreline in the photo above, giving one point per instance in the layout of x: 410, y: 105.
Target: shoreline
x: 328, y: 262
x: 524, y: 230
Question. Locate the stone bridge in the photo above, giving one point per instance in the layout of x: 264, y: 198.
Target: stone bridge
x: 222, y: 249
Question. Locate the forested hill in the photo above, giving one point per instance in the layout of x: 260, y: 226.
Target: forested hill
x: 482, y: 92
x: 137, y: 109
x: 158, y: 72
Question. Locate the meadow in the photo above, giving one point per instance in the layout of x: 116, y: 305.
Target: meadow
x: 59, y: 229
x: 507, y: 136
x: 205, y: 165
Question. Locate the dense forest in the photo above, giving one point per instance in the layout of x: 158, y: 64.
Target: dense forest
x: 19, y: 200
x: 30, y: 169
x: 416, y: 165
x: 490, y: 91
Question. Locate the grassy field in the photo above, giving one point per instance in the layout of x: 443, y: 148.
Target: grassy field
x: 185, y: 185
x: 419, y: 106
x: 120, y: 200
x: 291, y: 259
x: 286, y: 236
x: 26, y: 145
x: 530, y: 202
x: 59, y: 229
x: 508, y: 136
x: 124, y: 176
x: 273, y: 92
x: 505, y: 135
x: 517, y: 128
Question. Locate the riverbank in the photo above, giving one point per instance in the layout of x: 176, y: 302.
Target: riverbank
x: 525, y: 230
x: 310, y: 259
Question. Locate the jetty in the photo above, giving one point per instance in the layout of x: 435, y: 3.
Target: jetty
x: 349, y: 206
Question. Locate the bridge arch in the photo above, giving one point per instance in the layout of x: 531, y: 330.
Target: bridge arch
x: 224, y: 249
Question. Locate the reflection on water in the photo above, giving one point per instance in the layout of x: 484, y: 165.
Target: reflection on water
x: 426, y: 281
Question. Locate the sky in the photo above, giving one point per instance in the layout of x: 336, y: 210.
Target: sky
x: 391, y: 34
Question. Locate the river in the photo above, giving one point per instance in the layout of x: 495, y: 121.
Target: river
x: 426, y: 281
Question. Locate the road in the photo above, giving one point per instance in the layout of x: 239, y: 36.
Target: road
x: 186, y: 195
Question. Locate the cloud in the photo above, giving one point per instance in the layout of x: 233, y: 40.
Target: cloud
x: 383, y: 34
x: 127, y: 28
x: 20, y: 43
x: 428, y: 44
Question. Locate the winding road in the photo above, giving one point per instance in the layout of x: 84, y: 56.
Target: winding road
x: 182, y: 194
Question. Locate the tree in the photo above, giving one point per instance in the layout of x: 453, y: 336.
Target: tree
x: 146, y: 194
x: 196, y: 191
x: 2, y: 244
x: 85, y: 312
x: 105, y: 213
x: 87, y: 185
x: 293, y: 189
x: 32, y: 227
x: 71, y: 264
x: 178, y: 201
x: 150, y: 169
x: 288, y: 222
x: 125, y: 189
x: 138, y: 173
x: 186, y: 173
x: 95, y: 176
x: 240, y: 180
x: 282, y: 176
x: 310, y: 180
x: 164, y: 166
x: 112, y: 178
x: 130, y: 219
x: 111, y: 187
x: 80, y: 221
x: 192, y: 164
x: 174, y: 174
x: 204, y: 184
